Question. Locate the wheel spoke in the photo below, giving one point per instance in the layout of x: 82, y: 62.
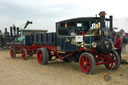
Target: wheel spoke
x: 88, y: 63
x: 111, y: 65
x: 88, y: 67
x: 86, y: 59
x: 83, y: 59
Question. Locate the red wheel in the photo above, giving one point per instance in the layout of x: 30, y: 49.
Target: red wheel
x: 13, y: 53
x: 42, y: 56
x: 87, y: 63
x: 113, y: 60
x: 24, y: 54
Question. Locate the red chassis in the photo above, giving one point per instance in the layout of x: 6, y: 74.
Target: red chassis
x: 86, y: 62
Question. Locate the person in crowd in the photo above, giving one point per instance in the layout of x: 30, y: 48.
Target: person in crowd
x: 124, y: 43
x: 118, y: 44
x: 111, y: 38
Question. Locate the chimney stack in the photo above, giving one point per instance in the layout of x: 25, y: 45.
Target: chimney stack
x: 111, y: 23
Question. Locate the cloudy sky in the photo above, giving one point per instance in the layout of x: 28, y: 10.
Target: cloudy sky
x: 44, y: 13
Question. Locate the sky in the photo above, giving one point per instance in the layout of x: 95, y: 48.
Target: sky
x: 45, y: 13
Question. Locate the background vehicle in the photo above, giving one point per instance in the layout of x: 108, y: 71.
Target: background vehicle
x: 12, y: 36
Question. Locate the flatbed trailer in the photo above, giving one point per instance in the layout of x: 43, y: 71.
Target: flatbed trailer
x: 26, y: 51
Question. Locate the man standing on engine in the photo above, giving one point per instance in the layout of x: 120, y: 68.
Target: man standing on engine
x: 118, y: 44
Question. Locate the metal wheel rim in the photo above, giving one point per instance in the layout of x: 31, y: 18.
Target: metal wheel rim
x: 40, y: 57
x: 112, y: 62
x: 85, y: 64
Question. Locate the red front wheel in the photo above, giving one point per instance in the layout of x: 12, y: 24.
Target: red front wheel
x: 113, y: 60
x: 87, y: 62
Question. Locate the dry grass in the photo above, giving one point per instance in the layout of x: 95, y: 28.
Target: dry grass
x: 19, y: 72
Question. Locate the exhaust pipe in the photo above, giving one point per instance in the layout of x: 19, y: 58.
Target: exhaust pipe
x: 11, y: 31
x: 111, y: 23
x: 102, y: 22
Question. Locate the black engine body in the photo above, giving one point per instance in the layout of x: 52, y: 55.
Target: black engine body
x: 104, y: 47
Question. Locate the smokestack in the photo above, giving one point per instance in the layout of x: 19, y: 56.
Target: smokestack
x: 111, y: 23
x: 11, y: 31
x: 102, y: 18
x: 17, y: 31
x: 14, y: 30
x: 102, y: 22
x: 5, y: 30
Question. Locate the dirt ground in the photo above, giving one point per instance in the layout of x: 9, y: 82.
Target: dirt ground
x: 29, y: 72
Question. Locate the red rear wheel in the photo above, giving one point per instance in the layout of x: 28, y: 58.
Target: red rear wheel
x: 87, y: 62
x: 40, y: 56
x: 13, y: 53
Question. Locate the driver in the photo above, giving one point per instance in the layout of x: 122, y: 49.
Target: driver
x: 73, y: 34
x: 96, y: 30
x: 97, y: 26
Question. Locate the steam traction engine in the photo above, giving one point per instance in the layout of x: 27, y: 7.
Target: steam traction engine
x: 84, y: 40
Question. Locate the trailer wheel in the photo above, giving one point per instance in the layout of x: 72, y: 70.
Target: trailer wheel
x: 24, y: 54
x: 13, y: 52
x: 42, y: 56
x: 87, y: 62
x: 114, y: 61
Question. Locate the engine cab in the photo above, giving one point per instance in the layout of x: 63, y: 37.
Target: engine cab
x: 85, y: 32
